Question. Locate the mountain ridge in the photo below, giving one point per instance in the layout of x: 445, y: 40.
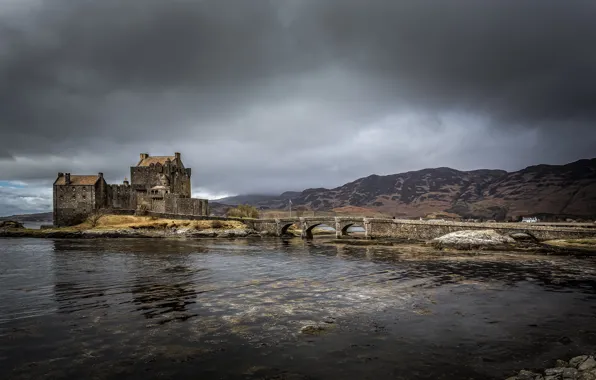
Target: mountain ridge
x: 568, y: 189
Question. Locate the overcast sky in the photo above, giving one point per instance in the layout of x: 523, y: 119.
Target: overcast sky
x: 269, y: 96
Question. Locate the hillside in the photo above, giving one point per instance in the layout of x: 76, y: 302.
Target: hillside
x: 40, y: 217
x: 565, y: 190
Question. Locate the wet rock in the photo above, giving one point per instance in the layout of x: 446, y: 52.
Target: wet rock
x: 11, y: 224
x: 203, y: 234
x: 587, y: 376
x: 472, y: 240
x: 312, y: 330
x: 578, y: 360
x: 553, y: 377
x: 521, y: 236
x: 562, y: 364
x: 526, y: 375
x: 570, y: 373
x: 587, y: 365
x: 329, y: 320
x: 554, y: 371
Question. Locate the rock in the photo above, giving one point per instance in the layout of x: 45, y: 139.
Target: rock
x: 554, y: 371
x: 526, y: 375
x: 472, y: 240
x: 570, y: 373
x: 588, y: 364
x: 11, y: 224
x: 329, y: 320
x: 587, y: 376
x: 578, y: 360
x: 521, y: 236
x: 553, y: 377
x: 312, y: 330
x: 562, y: 364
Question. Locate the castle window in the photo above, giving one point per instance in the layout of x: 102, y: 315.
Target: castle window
x: 84, y: 197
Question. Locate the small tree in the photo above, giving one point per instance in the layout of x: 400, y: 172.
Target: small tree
x: 243, y: 211
x: 95, y: 216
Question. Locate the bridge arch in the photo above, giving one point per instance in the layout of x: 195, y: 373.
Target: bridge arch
x: 343, y: 226
x: 283, y: 230
x: 307, y: 230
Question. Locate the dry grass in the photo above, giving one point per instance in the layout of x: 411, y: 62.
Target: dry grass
x: 585, y: 243
x: 129, y: 221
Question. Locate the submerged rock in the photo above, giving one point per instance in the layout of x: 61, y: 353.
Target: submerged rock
x: 313, y: 329
x: 472, y: 240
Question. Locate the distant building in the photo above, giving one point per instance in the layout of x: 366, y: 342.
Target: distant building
x: 532, y: 219
x: 159, y: 184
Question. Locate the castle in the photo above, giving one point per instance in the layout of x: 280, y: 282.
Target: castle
x: 159, y: 184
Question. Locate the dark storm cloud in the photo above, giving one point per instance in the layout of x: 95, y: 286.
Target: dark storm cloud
x: 276, y: 95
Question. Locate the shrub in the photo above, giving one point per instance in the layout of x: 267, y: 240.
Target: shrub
x: 95, y: 216
x: 143, y: 209
x: 243, y: 211
x: 217, y: 224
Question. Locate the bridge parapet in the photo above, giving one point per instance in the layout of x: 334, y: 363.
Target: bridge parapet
x: 411, y: 229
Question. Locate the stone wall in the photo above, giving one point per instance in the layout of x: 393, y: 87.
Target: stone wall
x: 73, y: 204
x: 143, y: 178
x: 422, y: 230
x: 173, y: 205
x: 122, y: 197
x: 415, y: 230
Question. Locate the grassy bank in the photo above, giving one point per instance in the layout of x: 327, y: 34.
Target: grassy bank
x: 109, y: 222
x: 587, y: 245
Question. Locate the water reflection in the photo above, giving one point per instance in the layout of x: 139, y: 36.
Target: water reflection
x: 238, y: 309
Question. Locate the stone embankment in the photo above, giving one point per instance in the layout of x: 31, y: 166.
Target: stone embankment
x: 578, y: 368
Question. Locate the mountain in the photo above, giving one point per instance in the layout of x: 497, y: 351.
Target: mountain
x: 561, y: 190
x: 41, y: 217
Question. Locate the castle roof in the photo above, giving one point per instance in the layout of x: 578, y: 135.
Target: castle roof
x: 79, y: 180
x: 155, y: 160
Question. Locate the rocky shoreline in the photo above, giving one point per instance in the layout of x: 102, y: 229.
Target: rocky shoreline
x: 127, y: 233
x: 579, y: 368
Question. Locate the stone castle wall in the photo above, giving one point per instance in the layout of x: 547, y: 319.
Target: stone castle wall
x: 73, y: 204
x: 121, y: 197
x: 143, y: 178
x: 174, y: 205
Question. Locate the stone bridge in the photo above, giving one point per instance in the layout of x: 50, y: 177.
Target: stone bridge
x: 412, y: 229
x: 279, y: 227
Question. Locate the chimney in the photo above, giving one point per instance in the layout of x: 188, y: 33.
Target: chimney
x: 60, y: 175
x: 100, y: 175
x: 177, y: 156
x: 67, y: 178
x: 144, y: 155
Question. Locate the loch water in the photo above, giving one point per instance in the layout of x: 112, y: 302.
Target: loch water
x: 202, y: 309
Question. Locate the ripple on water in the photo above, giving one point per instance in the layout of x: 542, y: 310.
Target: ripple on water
x: 151, y: 303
